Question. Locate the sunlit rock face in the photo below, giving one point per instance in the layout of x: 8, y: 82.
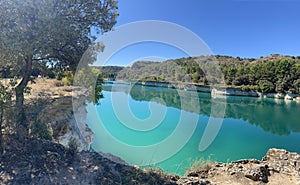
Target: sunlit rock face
x: 60, y: 114
x: 276, y: 167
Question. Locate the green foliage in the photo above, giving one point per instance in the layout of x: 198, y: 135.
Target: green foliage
x: 296, y: 86
x: 266, y: 86
x: 53, y: 31
x: 41, y: 69
x: 110, y: 72
x: 49, y: 33
x: 42, y: 130
x: 5, y: 95
x: 186, y: 70
x: 91, y: 79
x: 279, y: 74
x: 153, y: 79
x: 67, y: 78
x: 59, y: 75
x: 5, y: 103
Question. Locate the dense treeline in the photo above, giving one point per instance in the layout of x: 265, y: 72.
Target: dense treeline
x: 171, y: 70
x: 278, y: 75
x: 274, y: 73
x: 110, y: 72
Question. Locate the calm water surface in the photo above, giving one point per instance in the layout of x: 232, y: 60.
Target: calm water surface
x: 250, y: 126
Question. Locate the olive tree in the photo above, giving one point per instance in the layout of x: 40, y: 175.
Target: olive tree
x: 56, y: 32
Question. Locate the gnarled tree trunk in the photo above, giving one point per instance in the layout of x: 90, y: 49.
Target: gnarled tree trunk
x: 21, y: 123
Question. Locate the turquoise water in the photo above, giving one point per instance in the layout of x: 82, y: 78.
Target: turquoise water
x: 149, y: 126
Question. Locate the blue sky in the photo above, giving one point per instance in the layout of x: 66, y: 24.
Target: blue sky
x: 245, y: 28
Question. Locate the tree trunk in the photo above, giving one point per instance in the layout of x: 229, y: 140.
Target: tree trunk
x: 21, y: 123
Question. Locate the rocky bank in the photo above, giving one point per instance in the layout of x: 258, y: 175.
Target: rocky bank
x: 277, y: 167
x: 45, y: 162
x: 63, y: 108
x: 215, y: 91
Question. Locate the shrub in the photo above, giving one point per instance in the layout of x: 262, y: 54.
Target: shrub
x: 266, y: 86
x: 296, y: 86
x: 65, y: 81
x: 66, y: 77
x: 59, y: 75
x: 200, y: 165
x: 42, y: 130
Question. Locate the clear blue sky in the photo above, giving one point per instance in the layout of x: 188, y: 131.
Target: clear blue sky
x: 245, y: 28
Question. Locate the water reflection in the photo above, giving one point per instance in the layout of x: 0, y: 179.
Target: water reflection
x: 276, y: 116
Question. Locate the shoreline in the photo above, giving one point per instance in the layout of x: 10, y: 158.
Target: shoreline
x: 277, y: 165
x: 53, y: 164
x: 223, y: 91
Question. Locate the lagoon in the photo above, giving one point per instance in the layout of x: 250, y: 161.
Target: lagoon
x: 163, y: 127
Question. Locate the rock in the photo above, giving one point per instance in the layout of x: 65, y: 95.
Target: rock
x: 243, y: 161
x: 204, y: 182
x: 270, y: 95
x: 274, y: 95
x: 297, y: 176
x: 264, y: 179
x: 289, y: 96
x: 219, y: 165
x: 189, y: 181
x: 254, y: 161
x: 279, y: 96
x: 260, y: 173
x: 253, y: 177
x: 193, y: 174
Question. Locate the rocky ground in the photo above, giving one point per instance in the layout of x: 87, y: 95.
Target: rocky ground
x: 45, y: 162
x: 278, y: 167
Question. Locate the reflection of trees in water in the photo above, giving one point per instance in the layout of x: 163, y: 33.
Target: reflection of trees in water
x: 273, y: 116
x: 279, y: 118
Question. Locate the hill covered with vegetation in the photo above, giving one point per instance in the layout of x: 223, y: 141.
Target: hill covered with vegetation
x: 274, y: 73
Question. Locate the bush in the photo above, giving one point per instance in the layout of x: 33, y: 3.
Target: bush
x: 42, y: 131
x: 65, y: 81
x: 51, y: 74
x: 67, y: 77
x: 266, y: 86
x: 200, y: 165
x: 296, y: 86
x: 59, y: 75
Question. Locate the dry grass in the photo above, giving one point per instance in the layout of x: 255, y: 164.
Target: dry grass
x: 200, y: 165
x: 44, y: 87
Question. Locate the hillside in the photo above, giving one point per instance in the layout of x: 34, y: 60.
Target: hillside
x: 109, y: 72
x: 271, y: 74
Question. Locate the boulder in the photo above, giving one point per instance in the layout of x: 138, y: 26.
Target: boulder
x: 289, y: 96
